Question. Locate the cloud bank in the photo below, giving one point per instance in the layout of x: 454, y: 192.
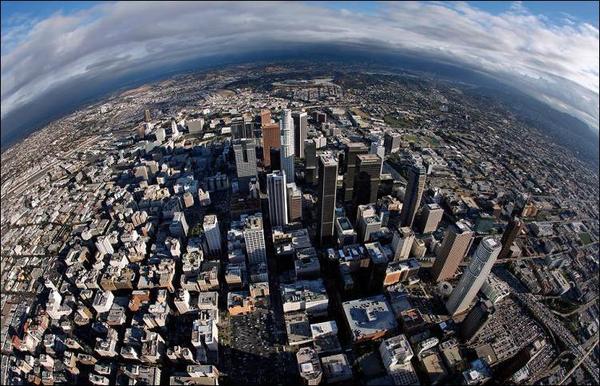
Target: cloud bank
x: 555, y: 63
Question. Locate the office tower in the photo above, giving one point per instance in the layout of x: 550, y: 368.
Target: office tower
x: 174, y: 130
x: 275, y: 158
x: 141, y: 131
x: 457, y: 242
x: 147, y: 116
x: 300, y: 131
x: 413, y: 194
x: 287, y: 144
x: 377, y: 148
x: 212, y: 233
x: 265, y: 117
x: 474, y: 276
x: 368, y: 222
x: 294, y: 196
x: 476, y: 319
x: 430, y: 218
x: 195, y: 126
x: 245, y: 161
x: 271, y: 139
x: 366, y: 184
x: 514, y: 227
x: 346, y: 235
x: 104, y: 246
x: 277, y: 193
x: 254, y: 239
x: 328, y: 168
x: 310, y: 161
x: 391, y: 142
x: 350, y: 160
x: 402, y: 243
x: 178, y: 226
x: 161, y: 135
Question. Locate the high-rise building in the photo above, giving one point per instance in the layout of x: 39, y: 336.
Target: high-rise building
x: 368, y: 222
x: 245, y: 161
x: 514, y: 227
x: 141, y: 131
x: 366, y: 183
x: 271, y: 139
x: 402, y: 242
x: 195, y: 126
x: 328, y: 169
x: 242, y: 127
x: 265, y: 117
x: 310, y: 161
x: 179, y: 226
x: 287, y: 144
x: 174, y: 130
x: 300, y: 132
x: 413, y: 194
x: 275, y: 158
x: 212, y: 233
x: 147, y: 116
x: 277, y: 193
x: 391, y: 142
x: 254, y: 238
x: 457, y: 242
x: 430, y: 218
x: 161, y: 135
x: 294, y: 196
x: 474, y: 276
x: 476, y: 319
x: 352, y: 150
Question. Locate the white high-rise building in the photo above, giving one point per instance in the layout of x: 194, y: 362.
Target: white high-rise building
x: 160, y: 135
x: 402, y: 243
x: 212, y: 233
x: 174, y: 129
x: 287, y: 144
x: 474, y: 276
x: 254, y: 238
x: 276, y: 190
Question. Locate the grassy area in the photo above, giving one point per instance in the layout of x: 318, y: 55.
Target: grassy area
x: 360, y: 113
x: 395, y: 121
x: 585, y: 238
x: 561, y: 305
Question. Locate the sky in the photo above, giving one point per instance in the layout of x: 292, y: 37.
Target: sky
x: 548, y: 50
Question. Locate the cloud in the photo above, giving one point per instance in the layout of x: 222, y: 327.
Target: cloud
x: 557, y: 64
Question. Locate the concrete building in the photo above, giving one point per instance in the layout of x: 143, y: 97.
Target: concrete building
x: 366, y: 182
x: 277, y: 194
x: 328, y: 168
x: 286, y: 125
x: 402, y: 242
x: 309, y: 366
x: 391, y: 142
x: 455, y: 246
x: 368, y: 222
x: 474, y: 276
x: 254, y: 238
x: 476, y: 319
x: 336, y: 368
x: 430, y: 218
x: 413, y: 195
x: 179, y: 226
x: 294, y: 202
x: 310, y: 161
x: 245, y: 162
x: 369, y: 318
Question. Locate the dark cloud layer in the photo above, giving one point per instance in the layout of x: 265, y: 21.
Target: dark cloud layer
x: 91, y: 48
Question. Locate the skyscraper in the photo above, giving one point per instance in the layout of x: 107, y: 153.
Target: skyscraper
x: 265, y: 117
x: 174, y: 130
x: 277, y: 193
x: 287, y: 144
x: 310, y: 161
x: 294, y: 197
x: 300, y: 132
x: 271, y: 139
x: 245, y: 162
x: 391, y: 142
x: 254, y: 238
x: 474, y: 276
x: 402, y: 242
x: 275, y: 158
x: 476, y: 319
x: 147, y: 116
x: 366, y: 184
x: 457, y: 241
x: 352, y: 150
x: 328, y: 168
x: 413, y: 194
x: 212, y: 233
x: 514, y: 227
x: 430, y: 218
